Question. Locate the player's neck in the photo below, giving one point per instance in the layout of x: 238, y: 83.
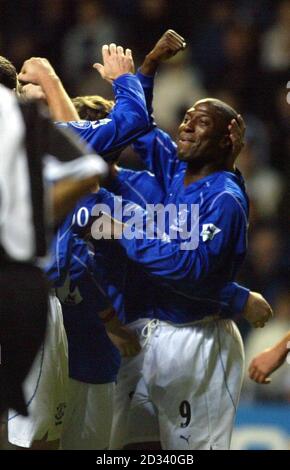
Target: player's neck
x: 194, y: 174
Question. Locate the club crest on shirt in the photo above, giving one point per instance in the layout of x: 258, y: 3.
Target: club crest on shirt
x: 209, y: 231
x: 101, y: 122
x: 80, y: 124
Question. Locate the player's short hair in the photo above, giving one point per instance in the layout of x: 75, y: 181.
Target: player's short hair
x: 8, y: 74
x: 92, y: 108
x: 223, y: 108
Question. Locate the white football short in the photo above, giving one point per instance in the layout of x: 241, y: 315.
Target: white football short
x: 183, y: 387
x: 45, y: 387
x: 88, y: 419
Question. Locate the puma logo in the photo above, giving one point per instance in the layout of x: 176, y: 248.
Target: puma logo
x: 185, y: 438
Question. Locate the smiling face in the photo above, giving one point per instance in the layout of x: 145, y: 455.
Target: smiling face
x: 203, y: 136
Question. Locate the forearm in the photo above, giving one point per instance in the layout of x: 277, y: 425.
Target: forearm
x: 59, y: 103
x: 162, y: 256
x: 156, y: 148
x: 150, y: 65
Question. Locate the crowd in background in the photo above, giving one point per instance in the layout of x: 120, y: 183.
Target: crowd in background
x: 238, y: 51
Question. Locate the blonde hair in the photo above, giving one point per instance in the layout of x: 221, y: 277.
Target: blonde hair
x: 92, y: 108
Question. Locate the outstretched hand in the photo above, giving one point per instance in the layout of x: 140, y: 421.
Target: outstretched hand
x: 116, y: 62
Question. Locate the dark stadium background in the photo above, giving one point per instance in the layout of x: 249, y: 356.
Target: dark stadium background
x: 238, y: 51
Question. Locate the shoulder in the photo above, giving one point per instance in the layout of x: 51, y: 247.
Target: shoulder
x: 229, y: 192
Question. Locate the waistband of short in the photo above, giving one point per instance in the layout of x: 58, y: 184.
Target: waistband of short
x: 141, y: 322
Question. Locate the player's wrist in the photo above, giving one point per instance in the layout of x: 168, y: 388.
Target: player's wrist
x: 119, y: 75
x: 150, y: 64
x: 281, y: 350
x: 49, y: 80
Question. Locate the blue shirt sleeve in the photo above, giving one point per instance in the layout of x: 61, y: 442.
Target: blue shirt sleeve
x: 156, y: 148
x: 223, y: 234
x: 235, y: 296
x: 147, y: 83
x: 83, y: 264
x: 80, y: 260
x: 128, y: 119
x: 231, y: 294
x: 60, y: 253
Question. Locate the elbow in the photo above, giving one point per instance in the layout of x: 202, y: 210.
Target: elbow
x: 140, y: 121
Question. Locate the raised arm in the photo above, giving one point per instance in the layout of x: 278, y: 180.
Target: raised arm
x: 129, y: 117
x: 166, y: 47
x: 156, y: 148
x: 39, y: 71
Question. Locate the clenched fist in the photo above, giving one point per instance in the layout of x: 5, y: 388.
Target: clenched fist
x: 257, y: 310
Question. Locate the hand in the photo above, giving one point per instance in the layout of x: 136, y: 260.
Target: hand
x: 35, y: 70
x: 168, y: 46
x: 237, y: 130
x: 264, y: 364
x: 33, y: 92
x: 125, y: 340
x: 257, y: 310
x: 116, y: 62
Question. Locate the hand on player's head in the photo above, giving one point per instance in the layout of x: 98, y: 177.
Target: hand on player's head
x: 116, y: 62
x: 31, y: 91
x: 237, y: 129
